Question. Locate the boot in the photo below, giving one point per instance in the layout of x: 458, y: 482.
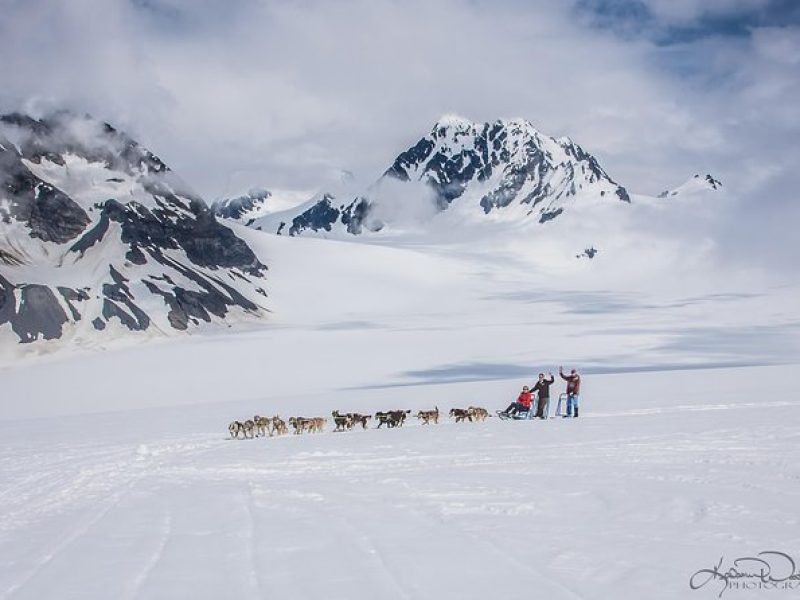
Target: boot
x: 576, y: 412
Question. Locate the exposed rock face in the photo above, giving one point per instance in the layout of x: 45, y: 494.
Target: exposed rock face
x: 499, y: 166
x: 714, y: 184
x: 243, y: 208
x: 37, y: 315
x: 320, y: 216
x: 48, y: 213
x: 589, y: 253
x: 81, y: 199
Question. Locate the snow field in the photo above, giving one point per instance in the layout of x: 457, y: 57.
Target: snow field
x: 625, y: 502
x: 118, y: 478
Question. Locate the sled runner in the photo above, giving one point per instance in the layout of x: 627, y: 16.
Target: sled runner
x: 520, y: 416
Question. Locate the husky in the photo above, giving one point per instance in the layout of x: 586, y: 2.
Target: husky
x: 478, y: 413
x: 279, y: 426
x: 384, y: 418
x: 262, y: 426
x: 429, y: 416
x: 235, y: 428
x: 399, y: 416
x: 341, y: 421
x: 459, y: 414
x: 300, y: 424
x: 356, y: 418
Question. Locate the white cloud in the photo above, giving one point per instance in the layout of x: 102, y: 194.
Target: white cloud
x: 280, y: 94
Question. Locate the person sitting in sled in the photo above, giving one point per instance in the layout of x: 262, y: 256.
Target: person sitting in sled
x: 522, y: 403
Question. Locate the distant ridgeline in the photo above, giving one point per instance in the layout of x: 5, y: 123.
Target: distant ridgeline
x: 501, y: 167
x: 99, y: 236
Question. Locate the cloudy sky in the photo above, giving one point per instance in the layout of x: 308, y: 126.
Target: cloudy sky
x: 285, y: 94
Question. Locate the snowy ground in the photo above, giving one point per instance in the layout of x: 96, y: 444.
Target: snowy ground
x: 117, y: 480
x: 665, y: 473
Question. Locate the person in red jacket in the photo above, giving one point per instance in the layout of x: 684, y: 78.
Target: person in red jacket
x: 522, y: 403
x: 573, y: 391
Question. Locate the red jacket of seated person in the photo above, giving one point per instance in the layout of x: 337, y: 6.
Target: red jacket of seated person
x: 525, y: 398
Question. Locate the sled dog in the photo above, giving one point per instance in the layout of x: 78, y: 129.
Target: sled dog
x: 429, y: 416
x: 262, y: 426
x: 399, y: 416
x: 300, y: 424
x: 279, y: 426
x: 341, y: 421
x: 384, y: 418
x: 235, y: 428
x: 356, y: 418
x: 459, y: 414
x: 478, y: 413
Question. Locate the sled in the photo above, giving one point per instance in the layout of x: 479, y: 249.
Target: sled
x: 561, y: 398
x: 520, y: 416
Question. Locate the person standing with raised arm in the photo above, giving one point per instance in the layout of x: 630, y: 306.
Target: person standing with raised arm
x: 542, y: 387
x: 573, y: 391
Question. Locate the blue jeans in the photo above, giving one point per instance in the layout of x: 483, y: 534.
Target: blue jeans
x: 572, y: 401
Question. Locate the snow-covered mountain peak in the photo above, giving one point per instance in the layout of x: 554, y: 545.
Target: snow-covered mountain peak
x: 709, y: 181
x: 452, y: 122
x: 66, y: 133
x: 97, y: 233
x: 506, y: 168
x: 698, y: 184
x: 91, y: 161
x: 245, y: 208
x: 462, y: 132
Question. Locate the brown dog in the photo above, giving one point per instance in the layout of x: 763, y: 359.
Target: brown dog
x: 279, y: 426
x: 300, y: 424
x: 359, y: 419
x: 429, y: 416
x: 262, y: 426
x: 478, y: 413
x: 459, y: 414
x: 400, y: 416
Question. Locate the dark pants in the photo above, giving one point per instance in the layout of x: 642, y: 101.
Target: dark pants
x: 543, y: 407
x: 516, y: 407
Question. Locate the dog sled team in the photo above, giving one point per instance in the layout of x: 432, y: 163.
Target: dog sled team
x: 522, y: 408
